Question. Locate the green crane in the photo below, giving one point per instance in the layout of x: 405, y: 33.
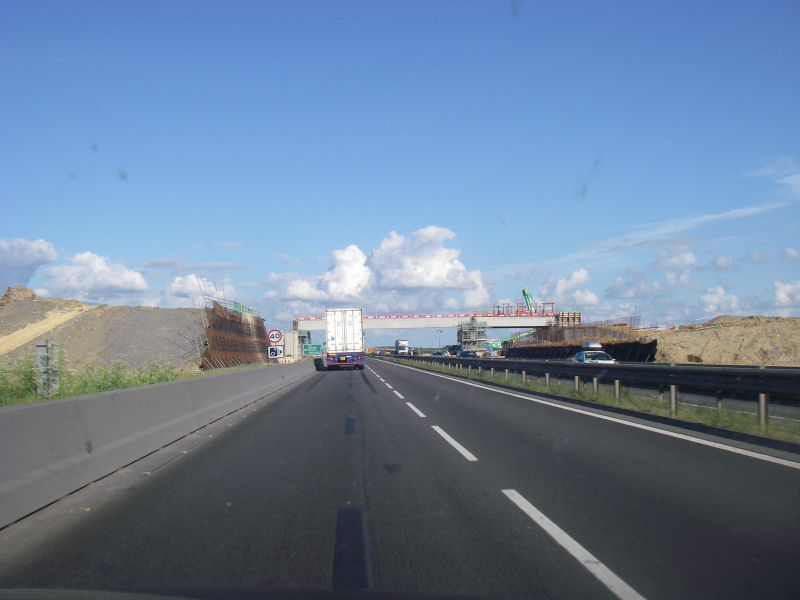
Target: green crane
x: 528, y: 300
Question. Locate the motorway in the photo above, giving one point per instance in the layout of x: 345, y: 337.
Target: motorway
x: 396, y: 480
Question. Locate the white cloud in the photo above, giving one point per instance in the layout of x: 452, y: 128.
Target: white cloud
x: 348, y: 275
x: 287, y: 258
x: 653, y: 234
x: 757, y: 257
x: 402, y: 273
x: 679, y: 258
x: 635, y: 285
x: 717, y: 299
x: 300, y: 289
x: 785, y: 172
x: 585, y: 298
x: 190, y: 291
x: 19, y: 259
x: 787, y: 294
x: 423, y: 261
x: 566, y: 289
x: 790, y: 254
x: 723, y: 262
x: 91, y: 277
x: 179, y: 265
x: 792, y: 183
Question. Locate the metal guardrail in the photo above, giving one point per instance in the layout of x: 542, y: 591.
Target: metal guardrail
x: 760, y: 382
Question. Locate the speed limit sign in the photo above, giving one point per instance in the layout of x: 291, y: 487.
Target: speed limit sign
x: 275, y: 336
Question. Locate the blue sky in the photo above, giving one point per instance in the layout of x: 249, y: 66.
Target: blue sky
x: 615, y: 157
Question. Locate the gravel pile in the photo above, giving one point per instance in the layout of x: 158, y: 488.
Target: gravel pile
x: 104, y: 335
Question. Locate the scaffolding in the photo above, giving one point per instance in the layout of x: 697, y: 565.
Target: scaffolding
x: 472, y: 335
x: 234, y: 333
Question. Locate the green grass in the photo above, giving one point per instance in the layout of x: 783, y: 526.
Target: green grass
x: 781, y: 429
x: 18, y: 384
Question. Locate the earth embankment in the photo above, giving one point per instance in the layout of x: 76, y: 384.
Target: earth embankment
x: 101, y: 335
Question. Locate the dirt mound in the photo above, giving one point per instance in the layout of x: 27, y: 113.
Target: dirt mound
x: 18, y: 292
x: 101, y: 336
x: 732, y: 340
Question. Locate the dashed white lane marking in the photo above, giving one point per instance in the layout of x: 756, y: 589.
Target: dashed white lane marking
x: 607, y: 577
x: 399, y: 395
x: 674, y: 434
x: 387, y: 385
x: 463, y: 451
x: 416, y: 410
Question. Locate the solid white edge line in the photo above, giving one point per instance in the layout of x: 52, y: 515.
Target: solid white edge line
x: 463, y: 451
x: 606, y: 576
x: 399, y: 395
x: 387, y: 385
x: 749, y: 453
x: 416, y: 410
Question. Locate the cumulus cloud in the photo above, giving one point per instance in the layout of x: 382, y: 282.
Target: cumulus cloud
x: 790, y: 254
x: 723, y: 262
x: 787, y: 294
x: 717, y: 299
x: 88, y: 276
x: 403, y: 273
x: 348, y: 275
x: 585, y: 297
x: 19, y: 259
x: 190, y: 291
x: 566, y: 289
x: 679, y: 258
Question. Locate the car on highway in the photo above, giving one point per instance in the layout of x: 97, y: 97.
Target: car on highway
x: 593, y: 356
x: 467, y: 354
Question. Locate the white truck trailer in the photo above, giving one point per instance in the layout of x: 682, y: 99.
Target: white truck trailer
x: 344, y: 338
x: 401, y: 348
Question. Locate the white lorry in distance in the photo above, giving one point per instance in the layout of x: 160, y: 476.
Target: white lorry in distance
x: 344, y: 338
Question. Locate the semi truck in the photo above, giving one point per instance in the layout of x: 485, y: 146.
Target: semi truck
x: 401, y: 348
x: 344, y: 336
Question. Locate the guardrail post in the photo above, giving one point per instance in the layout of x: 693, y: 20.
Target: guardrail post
x: 492, y: 373
x: 524, y: 378
x: 617, y: 390
x: 595, y: 386
x: 719, y: 401
x: 469, y: 371
x: 763, y: 402
x: 577, y: 383
x: 506, y: 374
x: 480, y: 371
x: 673, y: 400
x: 547, y: 380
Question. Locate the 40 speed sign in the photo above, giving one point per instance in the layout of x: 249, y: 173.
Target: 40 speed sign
x: 275, y: 336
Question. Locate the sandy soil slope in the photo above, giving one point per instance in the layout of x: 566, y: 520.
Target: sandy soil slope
x: 733, y: 340
x: 101, y: 335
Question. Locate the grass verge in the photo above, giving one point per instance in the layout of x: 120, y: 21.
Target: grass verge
x: 18, y: 383
x: 779, y: 429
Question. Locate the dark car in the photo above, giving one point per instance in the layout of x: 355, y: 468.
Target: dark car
x: 467, y: 354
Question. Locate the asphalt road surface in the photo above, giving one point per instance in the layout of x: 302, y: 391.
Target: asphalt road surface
x: 396, y: 480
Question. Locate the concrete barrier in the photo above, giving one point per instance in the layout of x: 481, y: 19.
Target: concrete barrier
x: 49, y: 449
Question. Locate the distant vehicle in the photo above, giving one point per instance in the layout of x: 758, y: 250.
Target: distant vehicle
x: 592, y: 352
x: 345, y: 338
x: 467, y: 354
x: 437, y: 353
x: 401, y: 348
